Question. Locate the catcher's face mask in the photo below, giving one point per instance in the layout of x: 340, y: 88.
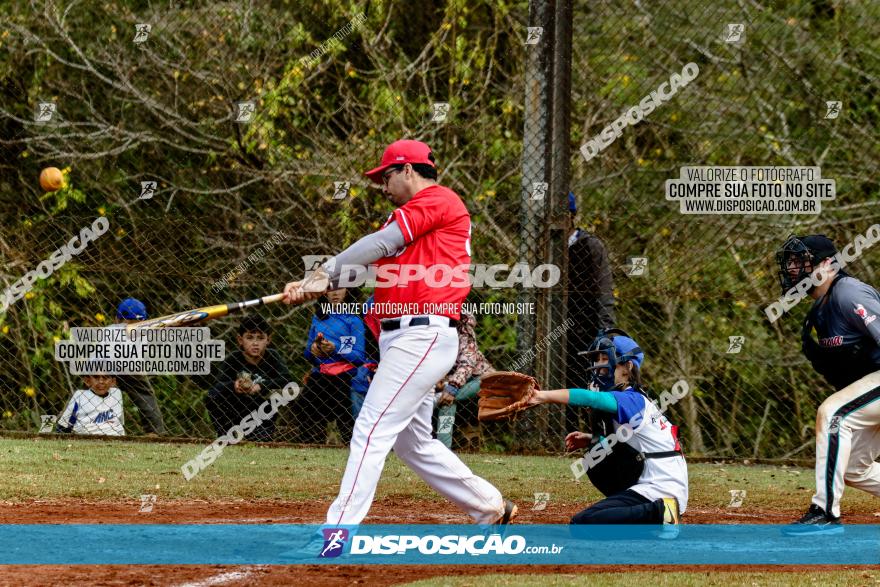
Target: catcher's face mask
x: 605, y: 356
x: 795, y: 263
x: 799, y: 256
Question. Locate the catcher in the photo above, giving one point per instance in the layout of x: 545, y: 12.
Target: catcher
x: 644, y: 477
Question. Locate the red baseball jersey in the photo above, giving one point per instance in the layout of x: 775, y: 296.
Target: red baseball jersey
x: 430, y: 274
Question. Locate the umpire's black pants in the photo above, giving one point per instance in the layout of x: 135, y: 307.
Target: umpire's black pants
x: 626, y: 507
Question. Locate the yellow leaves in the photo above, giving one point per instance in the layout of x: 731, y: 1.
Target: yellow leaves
x: 762, y: 128
x: 627, y: 58
x: 354, y: 191
x: 665, y: 231
x: 7, y: 414
x: 740, y: 304
x: 625, y: 80
x: 29, y: 391
x: 30, y: 295
x: 641, y: 162
x: 100, y: 317
x: 120, y: 232
x: 446, y: 26
x: 28, y: 223
x: 5, y: 329
x: 241, y: 85
x: 101, y: 210
x: 658, y: 151
x: 674, y: 117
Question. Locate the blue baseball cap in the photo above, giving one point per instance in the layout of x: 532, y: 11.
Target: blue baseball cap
x: 131, y: 309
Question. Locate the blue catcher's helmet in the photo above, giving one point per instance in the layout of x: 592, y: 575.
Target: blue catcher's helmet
x: 619, y: 347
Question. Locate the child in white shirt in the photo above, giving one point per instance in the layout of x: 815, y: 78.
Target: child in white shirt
x: 95, y: 410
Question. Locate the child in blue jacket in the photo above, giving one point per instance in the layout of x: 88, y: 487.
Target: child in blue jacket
x: 335, y: 348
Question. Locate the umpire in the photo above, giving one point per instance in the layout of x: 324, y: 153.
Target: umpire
x: 590, y: 303
x: 847, y: 354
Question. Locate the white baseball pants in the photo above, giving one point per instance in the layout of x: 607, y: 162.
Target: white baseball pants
x: 397, y: 414
x: 848, y: 442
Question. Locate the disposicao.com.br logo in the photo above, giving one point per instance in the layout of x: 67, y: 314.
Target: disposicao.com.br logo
x: 493, y: 544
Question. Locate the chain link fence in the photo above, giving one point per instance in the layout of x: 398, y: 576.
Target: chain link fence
x: 224, y: 144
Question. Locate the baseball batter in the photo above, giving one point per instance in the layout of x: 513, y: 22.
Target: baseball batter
x: 844, y: 318
x: 418, y: 343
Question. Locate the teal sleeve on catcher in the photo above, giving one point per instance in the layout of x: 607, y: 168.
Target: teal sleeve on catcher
x: 600, y: 400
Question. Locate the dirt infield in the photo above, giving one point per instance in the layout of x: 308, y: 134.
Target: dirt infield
x: 384, y: 511
x: 71, y: 511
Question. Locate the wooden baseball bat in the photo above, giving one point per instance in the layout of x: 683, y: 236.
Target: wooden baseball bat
x: 192, y: 317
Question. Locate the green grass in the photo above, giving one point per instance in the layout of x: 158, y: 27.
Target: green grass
x: 43, y: 468
x: 660, y: 579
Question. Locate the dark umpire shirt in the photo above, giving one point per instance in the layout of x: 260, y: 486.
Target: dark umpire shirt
x: 848, y: 318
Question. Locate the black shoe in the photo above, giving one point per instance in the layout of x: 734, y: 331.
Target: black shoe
x: 815, y: 522
x: 510, y: 512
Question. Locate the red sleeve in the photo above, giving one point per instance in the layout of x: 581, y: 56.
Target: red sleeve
x: 422, y: 213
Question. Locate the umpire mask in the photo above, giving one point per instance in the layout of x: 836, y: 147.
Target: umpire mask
x: 619, y: 348
x: 799, y: 256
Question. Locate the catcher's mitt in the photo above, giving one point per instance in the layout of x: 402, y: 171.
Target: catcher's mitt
x: 504, y: 394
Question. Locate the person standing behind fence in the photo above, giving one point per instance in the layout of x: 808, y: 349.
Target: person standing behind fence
x: 463, y: 380
x: 590, y: 303
x: 335, y: 347
x: 138, y: 387
x: 246, y: 378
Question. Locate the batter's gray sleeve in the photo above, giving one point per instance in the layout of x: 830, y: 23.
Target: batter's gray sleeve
x: 367, y: 250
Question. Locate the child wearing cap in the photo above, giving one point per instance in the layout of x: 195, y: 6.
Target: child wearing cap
x: 246, y: 378
x: 644, y: 476
x: 138, y: 387
x: 94, y: 410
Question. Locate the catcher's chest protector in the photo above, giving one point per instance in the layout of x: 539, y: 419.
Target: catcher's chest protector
x: 619, y: 470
